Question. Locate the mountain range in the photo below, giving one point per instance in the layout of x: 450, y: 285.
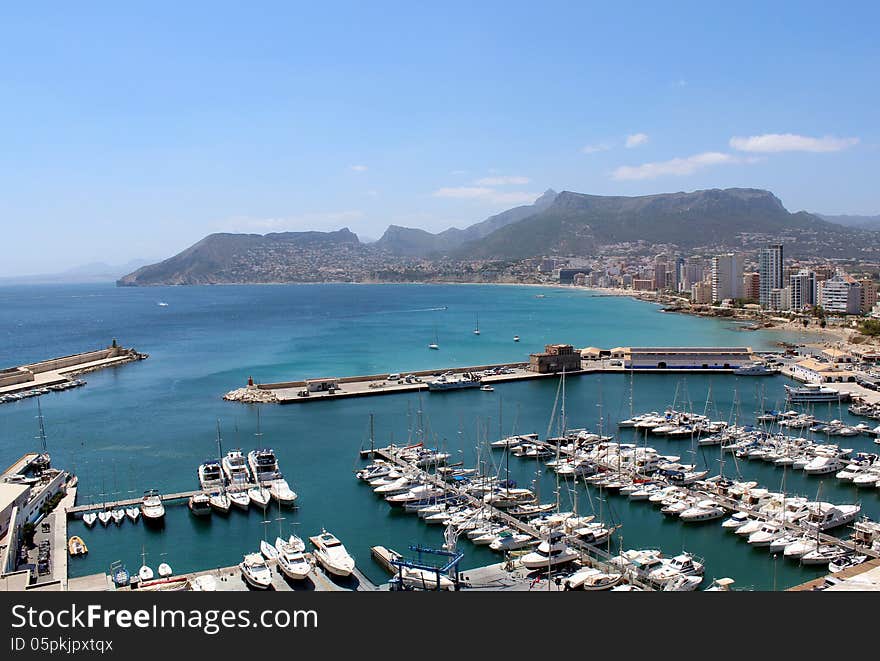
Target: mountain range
x: 561, y: 224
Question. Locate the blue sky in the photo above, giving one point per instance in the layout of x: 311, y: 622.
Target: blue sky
x: 131, y: 132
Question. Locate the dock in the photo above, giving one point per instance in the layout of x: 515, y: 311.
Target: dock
x: 131, y: 502
x: 60, y: 371
x: 597, y: 557
x: 731, y: 505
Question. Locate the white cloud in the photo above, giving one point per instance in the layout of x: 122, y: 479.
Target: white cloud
x: 486, y: 194
x: 778, y: 142
x: 636, y: 139
x: 596, y: 148
x: 675, y: 166
x: 502, y: 181
x: 321, y: 220
x: 358, y: 168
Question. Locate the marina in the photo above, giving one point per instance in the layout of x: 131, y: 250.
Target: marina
x: 173, y: 398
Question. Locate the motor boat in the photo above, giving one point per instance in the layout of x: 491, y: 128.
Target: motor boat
x: 846, y: 561
x: 89, y: 519
x: 281, y: 492
x: 737, y: 520
x: 236, y: 470
x: 682, y: 583
x: 76, y: 546
x: 825, y: 516
x: 119, y: 574
x: 105, y: 517
x: 704, y: 510
x: 779, y: 544
x: 669, y: 569
x: 551, y: 552
x: 800, y: 548
x: 255, y: 571
x: 511, y: 541
x: 145, y: 573
x: 133, y: 513
x: 118, y: 516
x: 152, y: 508
x: 263, y: 465
x: 766, y: 534
x: 199, y: 504
x: 332, y: 555
x: 292, y: 562
x: 720, y: 585
x: 211, y: 475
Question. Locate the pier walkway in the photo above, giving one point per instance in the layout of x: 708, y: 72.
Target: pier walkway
x: 730, y: 504
x: 130, y: 502
x: 602, y: 563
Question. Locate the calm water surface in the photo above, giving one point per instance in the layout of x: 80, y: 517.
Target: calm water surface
x: 149, y: 424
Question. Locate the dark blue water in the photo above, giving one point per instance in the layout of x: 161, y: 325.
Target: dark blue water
x: 149, y: 424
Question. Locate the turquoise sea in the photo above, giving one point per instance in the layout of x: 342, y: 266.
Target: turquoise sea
x: 149, y: 424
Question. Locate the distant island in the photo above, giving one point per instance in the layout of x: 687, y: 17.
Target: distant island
x: 503, y: 248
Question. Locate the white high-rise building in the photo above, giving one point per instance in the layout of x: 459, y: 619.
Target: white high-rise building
x: 727, y: 276
x: 841, y: 294
x: 770, y: 271
x: 803, y: 289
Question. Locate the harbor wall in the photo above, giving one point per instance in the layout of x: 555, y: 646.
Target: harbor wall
x: 76, y: 359
x: 14, y: 376
x: 382, y: 377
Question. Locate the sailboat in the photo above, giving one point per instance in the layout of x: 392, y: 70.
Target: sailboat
x: 219, y: 501
x: 477, y: 326
x: 436, y: 343
x: 144, y: 573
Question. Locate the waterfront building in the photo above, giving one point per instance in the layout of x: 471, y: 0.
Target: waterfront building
x: 701, y: 293
x: 727, y: 272
x: 841, y: 294
x: 751, y: 286
x: 555, y: 358
x: 770, y: 272
x: 683, y: 357
x: 803, y: 289
x: 816, y: 371
x: 780, y: 299
x: 641, y: 284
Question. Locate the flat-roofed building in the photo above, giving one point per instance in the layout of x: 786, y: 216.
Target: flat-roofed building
x: 817, y: 371
x: 841, y: 294
x: 683, y: 357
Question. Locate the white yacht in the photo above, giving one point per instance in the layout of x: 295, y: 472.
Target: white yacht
x: 268, y: 551
x: 331, y: 554
x: 255, y: 571
x: 823, y: 554
x: 799, y: 548
x: 164, y: 570
x: 281, y: 492
x: 737, y: 520
x: 291, y: 561
x: 118, y: 516
x: 89, y: 519
x: 236, y: 470
x: 152, y: 508
x: 132, y: 513
x: 767, y: 533
x: 145, y: 573
x: 210, y: 475
x: 704, y: 510
x: 551, y: 552
x: 681, y: 565
x: 263, y: 465
x: 511, y: 541
x: 825, y: 516
x: 812, y: 392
